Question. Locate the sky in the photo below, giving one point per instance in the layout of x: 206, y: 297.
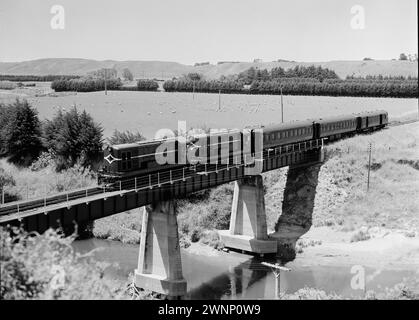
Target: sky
x: 189, y: 31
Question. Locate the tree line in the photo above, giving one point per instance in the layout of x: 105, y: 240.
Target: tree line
x: 337, y: 87
x: 47, y: 78
x: 299, y: 81
x: 98, y: 84
x: 319, y: 73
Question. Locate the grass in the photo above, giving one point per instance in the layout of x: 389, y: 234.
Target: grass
x: 29, y: 183
x: 400, y: 291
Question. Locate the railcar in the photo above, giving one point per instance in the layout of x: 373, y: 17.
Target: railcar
x: 130, y: 160
x: 334, y: 128
x: 287, y: 133
x: 371, y: 120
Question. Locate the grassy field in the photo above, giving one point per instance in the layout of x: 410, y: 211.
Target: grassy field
x: 148, y: 112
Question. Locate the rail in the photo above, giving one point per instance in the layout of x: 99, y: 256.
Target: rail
x: 153, y: 180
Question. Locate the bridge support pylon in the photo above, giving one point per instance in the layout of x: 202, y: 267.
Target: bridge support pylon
x: 159, y: 262
x: 248, y: 229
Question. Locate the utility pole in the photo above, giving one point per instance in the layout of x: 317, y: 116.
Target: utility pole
x: 106, y: 76
x: 276, y: 269
x: 369, y: 165
x: 219, y: 99
x: 282, y: 107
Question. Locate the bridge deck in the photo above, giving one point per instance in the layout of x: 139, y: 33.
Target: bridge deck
x: 82, y: 206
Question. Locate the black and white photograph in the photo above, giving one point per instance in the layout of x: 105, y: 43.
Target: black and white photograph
x: 238, y: 152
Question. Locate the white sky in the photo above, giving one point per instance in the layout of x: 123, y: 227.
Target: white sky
x: 190, y: 31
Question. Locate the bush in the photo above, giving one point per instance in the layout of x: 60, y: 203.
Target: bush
x: 361, y: 235
x: 73, y: 137
x: 85, y: 85
x: 147, y: 85
x: 19, y: 132
x: 46, y: 267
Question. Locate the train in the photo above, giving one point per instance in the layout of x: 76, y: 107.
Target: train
x: 130, y: 160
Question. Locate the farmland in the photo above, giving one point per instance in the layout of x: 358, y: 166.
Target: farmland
x: 149, y: 111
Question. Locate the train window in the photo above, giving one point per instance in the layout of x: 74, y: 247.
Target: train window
x: 129, y: 162
x: 124, y: 161
x: 273, y: 136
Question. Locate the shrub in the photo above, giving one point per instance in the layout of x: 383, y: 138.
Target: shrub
x: 361, y: 235
x: 46, y: 267
x: 73, y: 136
x: 85, y: 85
x: 147, y: 85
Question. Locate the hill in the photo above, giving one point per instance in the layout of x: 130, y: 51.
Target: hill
x: 166, y: 70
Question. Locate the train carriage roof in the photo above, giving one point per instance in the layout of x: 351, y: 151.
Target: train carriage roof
x: 337, y: 118
x: 136, y: 144
x: 287, y: 126
x: 371, y: 113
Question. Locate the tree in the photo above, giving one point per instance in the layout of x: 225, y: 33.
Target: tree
x: 108, y: 73
x: 194, y: 76
x: 19, y: 132
x: 402, y: 56
x: 127, y: 74
x: 120, y: 137
x: 73, y: 136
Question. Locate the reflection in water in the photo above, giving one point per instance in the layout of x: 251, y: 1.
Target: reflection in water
x: 236, y: 276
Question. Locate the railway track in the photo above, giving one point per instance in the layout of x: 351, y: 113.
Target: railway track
x: 25, y: 205
x: 156, y: 179
x: 400, y: 123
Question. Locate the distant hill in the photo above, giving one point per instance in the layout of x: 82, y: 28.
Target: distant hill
x: 166, y: 70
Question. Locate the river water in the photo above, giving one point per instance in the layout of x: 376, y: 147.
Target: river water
x: 239, y: 276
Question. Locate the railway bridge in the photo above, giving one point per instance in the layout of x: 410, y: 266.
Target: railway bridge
x: 159, y: 264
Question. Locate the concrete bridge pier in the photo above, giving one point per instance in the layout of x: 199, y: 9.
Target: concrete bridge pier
x: 159, y: 262
x: 248, y: 229
x: 297, y: 207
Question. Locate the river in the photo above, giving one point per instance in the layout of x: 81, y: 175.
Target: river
x: 240, y: 276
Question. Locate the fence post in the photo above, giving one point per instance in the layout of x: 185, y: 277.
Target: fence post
x: 183, y: 174
x: 369, y: 166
